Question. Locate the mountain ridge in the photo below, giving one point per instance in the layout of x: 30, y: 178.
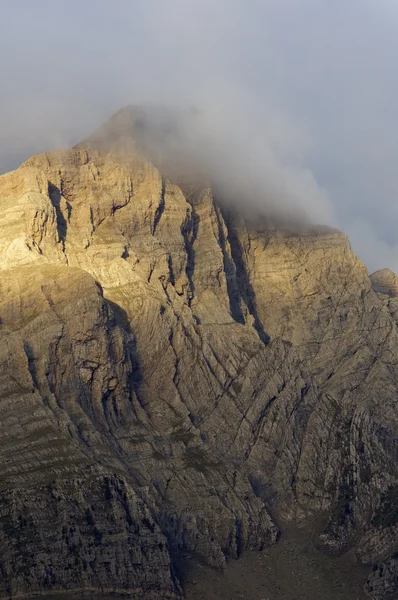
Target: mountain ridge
x: 201, y: 377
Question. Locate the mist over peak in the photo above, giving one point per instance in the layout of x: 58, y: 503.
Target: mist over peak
x: 296, y: 100
x: 196, y: 144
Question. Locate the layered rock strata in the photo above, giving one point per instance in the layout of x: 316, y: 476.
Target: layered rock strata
x: 179, y: 379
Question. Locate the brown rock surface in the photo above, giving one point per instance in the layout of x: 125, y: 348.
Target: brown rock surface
x: 173, y: 374
x: 385, y: 282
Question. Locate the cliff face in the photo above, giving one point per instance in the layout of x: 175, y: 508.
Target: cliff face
x: 177, y: 378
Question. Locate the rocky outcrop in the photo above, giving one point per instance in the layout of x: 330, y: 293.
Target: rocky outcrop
x: 177, y: 378
x: 385, y: 282
x: 70, y: 517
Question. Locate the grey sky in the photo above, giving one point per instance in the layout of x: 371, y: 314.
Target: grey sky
x: 305, y: 90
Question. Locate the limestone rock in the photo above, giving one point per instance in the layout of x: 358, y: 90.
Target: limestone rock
x: 385, y: 282
x: 178, y: 377
x: 70, y: 517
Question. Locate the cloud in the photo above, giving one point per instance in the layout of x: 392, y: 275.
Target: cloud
x: 299, y: 97
x: 374, y: 251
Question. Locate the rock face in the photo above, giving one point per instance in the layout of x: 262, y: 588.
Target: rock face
x: 177, y: 378
x: 385, y: 282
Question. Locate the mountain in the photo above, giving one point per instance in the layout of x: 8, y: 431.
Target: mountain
x: 385, y: 282
x: 182, y: 379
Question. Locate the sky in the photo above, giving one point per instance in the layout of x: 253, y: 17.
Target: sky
x: 298, y: 98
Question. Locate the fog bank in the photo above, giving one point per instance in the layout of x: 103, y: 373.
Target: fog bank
x: 297, y: 99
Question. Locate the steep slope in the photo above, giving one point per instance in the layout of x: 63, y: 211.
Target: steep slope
x: 70, y: 516
x: 195, y: 376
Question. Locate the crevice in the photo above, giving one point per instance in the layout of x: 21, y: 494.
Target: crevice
x: 55, y: 196
x: 160, y: 209
x: 189, y: 230
x: 177, y: 360
x: 116, y: 207
x: 92, y: 221
x: 234, y: 295
x: 31, y: 363
x: 151, y: 270
x: 172, y: 278
x: 245, y: 287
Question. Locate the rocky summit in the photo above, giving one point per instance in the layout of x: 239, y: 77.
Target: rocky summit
x: 179, y: 379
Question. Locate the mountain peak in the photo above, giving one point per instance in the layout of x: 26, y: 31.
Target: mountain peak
x: 177, y: 377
